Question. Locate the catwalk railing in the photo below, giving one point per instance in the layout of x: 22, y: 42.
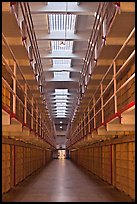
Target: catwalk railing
x: 104, y: 17
x: 113, y: 95
x: 19, y: 101
x: 24, y: 20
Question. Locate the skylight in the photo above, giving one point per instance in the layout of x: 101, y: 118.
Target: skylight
x: 62, y: 22
x: 61, y: 75
x: 61, y: 91
x: 61, y: 100
x: 61, y: 116
x: 60, y: 108
x: 61, y: 104
x: 61, y: 62
x: 55, y: 45
x: 61, y: 97
x: 60, y: 111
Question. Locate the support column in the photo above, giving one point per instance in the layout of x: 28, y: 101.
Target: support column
x: 37, y: 114
x: 115, y: 88
x: 82, y: 128
x: 104, y: 31
x: 40, y: 123
x: 102, y: 109
x: 96, y: 53
x: 14, y: 88
x: 25, y: 104
x: 32, y: 102
x: 94, y: 111
x: 84, y: 125
x: 89, y: 120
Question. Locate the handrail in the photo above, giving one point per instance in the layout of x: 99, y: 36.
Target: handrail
x: 119, y: 52
x: 32, y: 36
x: 14, y: 77
x: 25, y: 9
x: 110, y: 84
x: 133, y: 75
x: 100, y: 16
x: 94, y: 36
x: 31, y: 33
x: 12, y: 74
x: 121, y: 49
x: 96, y: 41
x: 14, y: 59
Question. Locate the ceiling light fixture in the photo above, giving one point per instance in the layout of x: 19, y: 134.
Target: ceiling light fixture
x: 62, y: 44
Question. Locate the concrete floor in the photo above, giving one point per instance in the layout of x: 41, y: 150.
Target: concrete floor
x: 62, y: 181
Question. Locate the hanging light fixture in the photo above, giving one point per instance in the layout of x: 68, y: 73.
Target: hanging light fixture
x: 63, y: 43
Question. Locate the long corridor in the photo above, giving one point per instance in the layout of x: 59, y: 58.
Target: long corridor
x: 62, y: 181
x: 68, y: 90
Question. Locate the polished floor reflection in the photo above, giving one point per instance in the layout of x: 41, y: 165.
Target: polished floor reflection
x: 62, y: 181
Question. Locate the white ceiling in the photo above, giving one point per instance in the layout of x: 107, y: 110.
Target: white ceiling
x: 56, y: 23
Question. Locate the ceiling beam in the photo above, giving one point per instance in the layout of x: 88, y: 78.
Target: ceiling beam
x: 68, y: 94
x: 60, y: 111
x: 68, y: 98
x: 48, y: 63
x: 54, y: 105
x: 62, y: 80
x: 62, y: 100
x: 56, y: 9
x: 60, y: 35
x: 62, y: 67
x: 63, y: 55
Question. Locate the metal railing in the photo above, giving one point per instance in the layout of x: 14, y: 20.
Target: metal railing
x: 104, y: 15
x: 17, y: 97
x: 29, y: 36
x: 105, y: 97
